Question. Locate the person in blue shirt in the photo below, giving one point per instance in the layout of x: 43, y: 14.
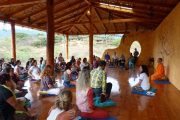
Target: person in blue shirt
x: 107, y: 57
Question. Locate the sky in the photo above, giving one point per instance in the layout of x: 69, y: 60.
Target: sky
x: 5, y: 30
x: 6, y: 26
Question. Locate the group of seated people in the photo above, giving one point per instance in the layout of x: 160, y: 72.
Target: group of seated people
x: 90, y: 82
x: 121, y: 61
x: 115, y: 61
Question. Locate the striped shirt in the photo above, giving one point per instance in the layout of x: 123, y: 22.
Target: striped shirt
x: 98, y: 79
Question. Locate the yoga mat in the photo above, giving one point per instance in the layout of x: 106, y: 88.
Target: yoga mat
x: 151, y: 92
x: 162, y: 81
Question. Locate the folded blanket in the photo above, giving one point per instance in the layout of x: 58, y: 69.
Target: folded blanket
x: 50, y: 92
x: 107, y: 103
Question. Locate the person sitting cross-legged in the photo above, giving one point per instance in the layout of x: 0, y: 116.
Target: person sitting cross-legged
x: 68, y: 82
x: 84, y: 97
x: 159, y: 73
x: 98, y: 81
x: 143, y: 79
x: 46, y: 78
x: 8, y: 102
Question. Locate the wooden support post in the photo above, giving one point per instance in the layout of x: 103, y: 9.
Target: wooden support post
x: 50, y: 33
x: 91, y: 38
x: 13, y: 42
x: 67, y: 46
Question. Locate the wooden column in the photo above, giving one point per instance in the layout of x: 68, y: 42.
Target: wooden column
x: 50, y: 33
x: 13, y: 41
x: 67, y: 46
x: 91, y: 39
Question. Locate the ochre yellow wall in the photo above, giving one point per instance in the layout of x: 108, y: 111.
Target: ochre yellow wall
x: 167, y: 45
x: 145, y: 40
x: 163, y: 42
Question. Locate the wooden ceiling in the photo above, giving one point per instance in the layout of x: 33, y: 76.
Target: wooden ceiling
x: 73, y: 16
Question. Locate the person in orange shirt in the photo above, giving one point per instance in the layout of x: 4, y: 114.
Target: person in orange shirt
x: 159, y: 72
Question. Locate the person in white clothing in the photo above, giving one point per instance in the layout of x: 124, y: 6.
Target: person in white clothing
x: 63, y: 108
x: 19, y: 71
x: 84, y: 64
x: 143, y: 78
x: 115, y: 59
x: 34, y: 71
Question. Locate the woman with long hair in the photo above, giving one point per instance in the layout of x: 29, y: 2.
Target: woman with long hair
x: 84, y: 97
x: 68, y: 76
x: 63, y: 108
x: 143, y: 78
x: 46, y: 78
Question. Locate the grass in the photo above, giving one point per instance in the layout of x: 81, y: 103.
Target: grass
x: 36, y: 47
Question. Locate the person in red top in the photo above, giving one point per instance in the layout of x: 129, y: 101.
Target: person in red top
x: 84, y: 98
x: 159, y: 73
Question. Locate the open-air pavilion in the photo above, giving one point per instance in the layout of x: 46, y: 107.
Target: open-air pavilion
x: 155, y: 24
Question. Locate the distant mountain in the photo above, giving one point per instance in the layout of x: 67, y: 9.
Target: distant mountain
x: 7, y: 33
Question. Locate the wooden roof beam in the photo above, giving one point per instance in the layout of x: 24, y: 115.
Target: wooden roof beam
x: 94, y: 26
x: 58, y: 28
x: 80, y: 31
x: 26, y: 8
x: 119, y: 20
x: 87, y: 1
x: 12, y: 3
x: 72, y: 13
x: 40, y: 10
x: 74, y: 33
x: 100, y: 18
x: 69, y: 18
x: 62, y: 29
x: 79, y: 19
x: 64, y: 16
x: 114, y: 24
x: 19, y: 10
x: 85, y: 27
x: 75, y: 5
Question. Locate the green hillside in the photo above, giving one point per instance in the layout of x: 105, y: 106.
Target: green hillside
x: 35, y: 45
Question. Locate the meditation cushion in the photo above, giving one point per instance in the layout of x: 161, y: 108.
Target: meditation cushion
x: 150, y: 92
x: 107, y: 103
